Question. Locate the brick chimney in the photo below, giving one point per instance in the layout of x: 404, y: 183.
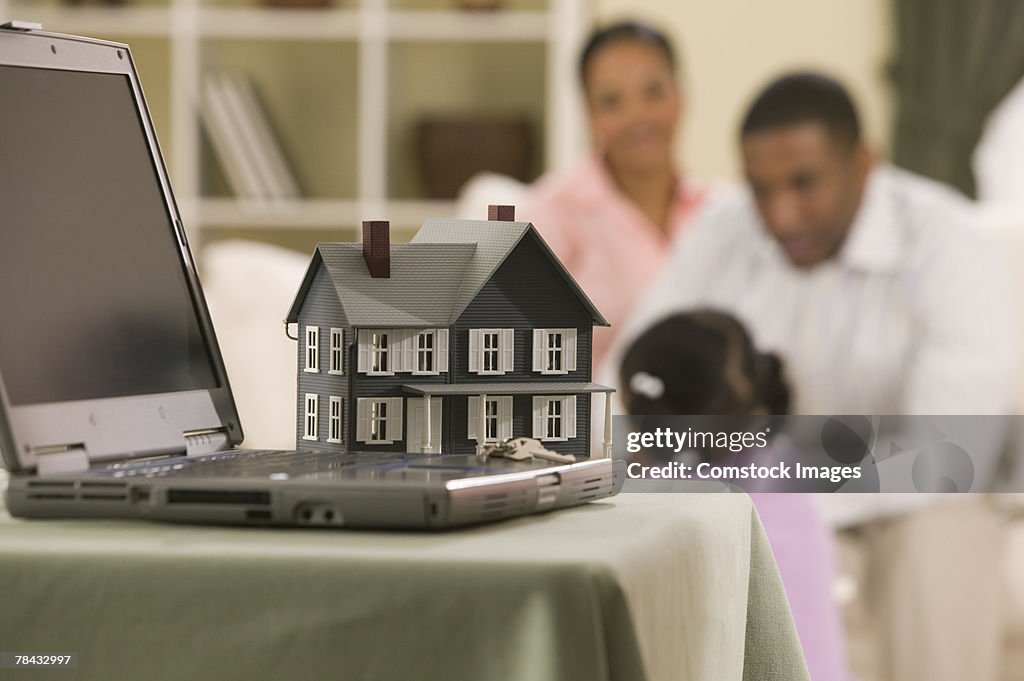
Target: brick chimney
x: 501, y: 213
x: 377, y: 248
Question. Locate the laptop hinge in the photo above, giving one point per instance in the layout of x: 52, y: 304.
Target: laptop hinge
x: 208, y: 441
x: 61, y: 460
x: 16, y: 25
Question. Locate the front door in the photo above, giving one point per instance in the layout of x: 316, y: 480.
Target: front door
x: 417, y: 436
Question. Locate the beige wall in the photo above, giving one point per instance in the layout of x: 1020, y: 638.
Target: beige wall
x: 732, y: 47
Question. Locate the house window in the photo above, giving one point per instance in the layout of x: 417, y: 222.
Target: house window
x: 334, y: 420
x: 312, y: 348
x: 312, y: 406
x: 553, y: 420
x: 491, y: 420
x: 379, y: 419
x: 337, y: 352
x: 490, y: 351
x: 425, y: 352
x: 554, y: 351
x: 554, y: 417
x: 379, y: 353
x: 497, y: 418
x: 386, y: 352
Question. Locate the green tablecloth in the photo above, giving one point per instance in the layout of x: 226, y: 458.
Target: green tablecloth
x: 641, y: 586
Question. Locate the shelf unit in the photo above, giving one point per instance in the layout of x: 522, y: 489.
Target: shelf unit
x: 370, y: 34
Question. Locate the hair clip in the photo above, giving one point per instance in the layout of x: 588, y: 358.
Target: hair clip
x: 651, y: 387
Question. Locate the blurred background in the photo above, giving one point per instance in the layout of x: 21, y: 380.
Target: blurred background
x: 361, y: 97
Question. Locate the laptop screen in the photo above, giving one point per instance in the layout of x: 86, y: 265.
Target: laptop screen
x: 92, y: 285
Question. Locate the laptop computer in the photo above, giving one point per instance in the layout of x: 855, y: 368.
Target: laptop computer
x: 114, y: 400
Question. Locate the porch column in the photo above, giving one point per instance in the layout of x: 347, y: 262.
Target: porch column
x: 608, y: 424
x: 481, y: 430
x: 426, y: 448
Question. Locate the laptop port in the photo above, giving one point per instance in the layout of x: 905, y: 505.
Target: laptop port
x: 318, y: 515
x: 214, y: 496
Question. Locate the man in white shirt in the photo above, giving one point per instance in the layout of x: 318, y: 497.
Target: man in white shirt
x: 874, y: 287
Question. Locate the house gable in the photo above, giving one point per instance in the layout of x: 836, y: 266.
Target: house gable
x: 317, y: 302
x: 495, y: 242
x: 526, y: 292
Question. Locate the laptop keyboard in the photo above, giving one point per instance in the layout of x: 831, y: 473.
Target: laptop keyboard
x: 260, y: 463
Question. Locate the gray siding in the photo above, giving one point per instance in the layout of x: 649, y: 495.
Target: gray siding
x: 525, y: 293
x: 322, y: 309
x: 389, y: 386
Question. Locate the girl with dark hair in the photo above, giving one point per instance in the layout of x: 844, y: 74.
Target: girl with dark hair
x: 701, y: 363
x: 610, y: 219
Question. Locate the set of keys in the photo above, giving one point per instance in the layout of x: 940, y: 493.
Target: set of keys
x: 524, y: 449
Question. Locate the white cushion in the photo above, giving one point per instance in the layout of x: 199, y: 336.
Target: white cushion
x: 249, y: 288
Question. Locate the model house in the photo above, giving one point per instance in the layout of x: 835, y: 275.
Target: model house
x: 471, y: 333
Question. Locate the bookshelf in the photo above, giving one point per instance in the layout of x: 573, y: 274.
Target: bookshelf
x: 341, y: 85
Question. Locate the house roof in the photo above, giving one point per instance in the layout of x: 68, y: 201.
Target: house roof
x: 495, y: 241
x: 433, y: 278
x: 421, y: 290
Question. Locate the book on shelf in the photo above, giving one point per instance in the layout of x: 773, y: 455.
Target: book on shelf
x: 243, y: 139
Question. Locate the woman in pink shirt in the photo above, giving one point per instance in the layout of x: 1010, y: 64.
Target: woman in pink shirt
x: 611, y: 218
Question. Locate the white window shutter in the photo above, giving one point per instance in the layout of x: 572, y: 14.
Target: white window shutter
x: 507, y: 356
x: 395, y: 418
x: 409, y: 339
x: 504, y: 417
x: 363, y: 360
x: 569, y: 345
x: 474, y: 350
x: 538, y: 416
x: 394, y: 350
x: 473, y: 418
x: 362, y: 419
x: 441, y: 349
x: 569, y: 411
x: 538, y: 349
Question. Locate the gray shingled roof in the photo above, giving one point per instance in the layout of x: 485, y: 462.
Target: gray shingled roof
x: 433, y: 278
x: 494, y: 241
x: 421, y: 291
